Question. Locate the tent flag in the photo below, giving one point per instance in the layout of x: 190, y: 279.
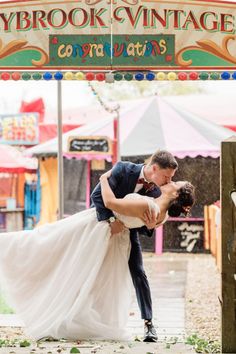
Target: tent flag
x: 34, y: 106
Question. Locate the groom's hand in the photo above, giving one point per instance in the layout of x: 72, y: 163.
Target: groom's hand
x: 117, y: 227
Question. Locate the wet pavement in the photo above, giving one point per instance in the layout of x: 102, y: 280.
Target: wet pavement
x: 167, y: 277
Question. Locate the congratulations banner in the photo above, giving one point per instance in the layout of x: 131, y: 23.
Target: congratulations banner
x: 110, y: 34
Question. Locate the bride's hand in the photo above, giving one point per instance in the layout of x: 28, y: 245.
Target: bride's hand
x: 106, y: 175
x: 149, y: 218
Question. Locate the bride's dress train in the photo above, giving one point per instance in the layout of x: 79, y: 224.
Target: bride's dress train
x: 70, y: 279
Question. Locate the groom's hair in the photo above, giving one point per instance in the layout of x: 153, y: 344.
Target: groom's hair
x: 164, y: 159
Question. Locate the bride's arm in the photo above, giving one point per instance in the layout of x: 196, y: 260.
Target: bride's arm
x: 126, y: 207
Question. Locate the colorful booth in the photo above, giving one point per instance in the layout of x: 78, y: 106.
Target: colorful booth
x: 14, y: 168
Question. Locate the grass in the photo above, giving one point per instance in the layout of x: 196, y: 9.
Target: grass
x: 4, y: 307
x: 7, y: 343
x: 201, y: 345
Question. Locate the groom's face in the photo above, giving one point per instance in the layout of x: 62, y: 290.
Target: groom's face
x: 161, y: 176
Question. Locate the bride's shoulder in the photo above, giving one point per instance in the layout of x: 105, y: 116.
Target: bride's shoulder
x: 138, y: 196
x: 150, y: 200
x: 134, y: 196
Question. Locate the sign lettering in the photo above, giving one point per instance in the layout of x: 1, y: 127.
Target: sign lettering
x: 101, y: 34
x: 84, y: 144
x: 19, y: 129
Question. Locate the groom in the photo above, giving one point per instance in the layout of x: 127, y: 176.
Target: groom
x: 146, y: 179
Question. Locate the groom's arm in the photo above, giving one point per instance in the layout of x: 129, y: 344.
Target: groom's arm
x: 102, y: 212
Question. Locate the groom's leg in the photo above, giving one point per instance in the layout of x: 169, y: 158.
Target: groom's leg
x: 139, y: 277
x: 142, y: 288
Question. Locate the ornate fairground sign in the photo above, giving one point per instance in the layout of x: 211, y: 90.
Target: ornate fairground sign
x: 116, y: 35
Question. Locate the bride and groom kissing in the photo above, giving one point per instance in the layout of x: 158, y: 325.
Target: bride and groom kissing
x: 73, y: 278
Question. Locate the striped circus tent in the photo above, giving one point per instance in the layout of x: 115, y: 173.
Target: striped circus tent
x: 12, y: 161
x: 149, y: 124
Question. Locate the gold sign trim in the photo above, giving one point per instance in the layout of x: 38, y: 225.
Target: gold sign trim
x: 208, y: 46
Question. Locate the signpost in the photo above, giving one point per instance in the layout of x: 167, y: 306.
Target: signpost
x: 94, y: 147
x: 90, y: 144
x: 228, y: 231
x: 60, y: 153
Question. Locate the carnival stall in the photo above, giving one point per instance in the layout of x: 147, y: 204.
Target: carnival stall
x: 77, y: 167
x: 13, y: 169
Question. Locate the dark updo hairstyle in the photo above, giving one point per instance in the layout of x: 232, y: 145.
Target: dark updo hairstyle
x: 183, y: 203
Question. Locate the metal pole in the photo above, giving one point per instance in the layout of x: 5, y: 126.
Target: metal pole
x: 114, y: 145
x: 88, y: 184
x: 60, y: 153
x: 118, y: 133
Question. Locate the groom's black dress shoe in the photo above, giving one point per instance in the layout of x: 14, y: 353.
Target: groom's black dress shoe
x: 150, y: 334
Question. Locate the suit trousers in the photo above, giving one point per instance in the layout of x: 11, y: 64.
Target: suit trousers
x: 139, y: 277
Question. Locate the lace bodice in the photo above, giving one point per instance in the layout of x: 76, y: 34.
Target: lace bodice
x: 133, y: 222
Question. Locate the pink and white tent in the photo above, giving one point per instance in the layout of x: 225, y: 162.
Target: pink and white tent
x: 150, y: 124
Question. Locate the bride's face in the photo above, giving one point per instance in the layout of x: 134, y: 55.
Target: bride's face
x: 172, y: 188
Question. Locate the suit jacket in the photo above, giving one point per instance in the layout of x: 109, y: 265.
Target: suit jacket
x: 122, y: 182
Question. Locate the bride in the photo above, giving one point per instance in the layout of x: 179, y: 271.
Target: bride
x: 70, y: 279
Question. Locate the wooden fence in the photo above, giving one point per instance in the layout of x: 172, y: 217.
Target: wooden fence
x: 212, y: 232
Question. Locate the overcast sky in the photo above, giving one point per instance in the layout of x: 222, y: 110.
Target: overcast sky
x: 76, y: 93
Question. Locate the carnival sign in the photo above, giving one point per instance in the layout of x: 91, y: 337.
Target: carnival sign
x: 127, y: 51
x: 184, y: 236
x: 19, y: 129
x: 89, y: 144
x: 117, y: 34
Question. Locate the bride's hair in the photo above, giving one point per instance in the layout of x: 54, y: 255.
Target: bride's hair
x: 183, y: 203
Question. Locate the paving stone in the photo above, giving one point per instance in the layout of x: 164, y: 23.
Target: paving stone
x: 167, y: 281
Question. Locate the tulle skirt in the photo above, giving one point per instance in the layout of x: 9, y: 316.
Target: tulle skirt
x: 69, y: 279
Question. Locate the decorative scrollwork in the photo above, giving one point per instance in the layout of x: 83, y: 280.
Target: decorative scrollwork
x: 94, y: 2
x: 132, y: 2
x: 19, y: 45
x: 208, y: 46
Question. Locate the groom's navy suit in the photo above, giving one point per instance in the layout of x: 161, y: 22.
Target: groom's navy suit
x: 122, y: 182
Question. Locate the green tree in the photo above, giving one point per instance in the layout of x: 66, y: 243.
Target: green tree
x: 129, y: 90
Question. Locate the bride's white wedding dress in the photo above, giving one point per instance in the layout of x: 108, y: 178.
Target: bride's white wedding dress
x: 70, y: 279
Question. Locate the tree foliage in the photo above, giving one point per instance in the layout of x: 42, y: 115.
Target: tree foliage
x: 129, y: 90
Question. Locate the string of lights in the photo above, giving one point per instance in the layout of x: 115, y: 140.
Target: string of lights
x: 102, y: 103
x: 110, y: 77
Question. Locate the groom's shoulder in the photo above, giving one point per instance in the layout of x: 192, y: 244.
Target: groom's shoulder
x: 130, y: 165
